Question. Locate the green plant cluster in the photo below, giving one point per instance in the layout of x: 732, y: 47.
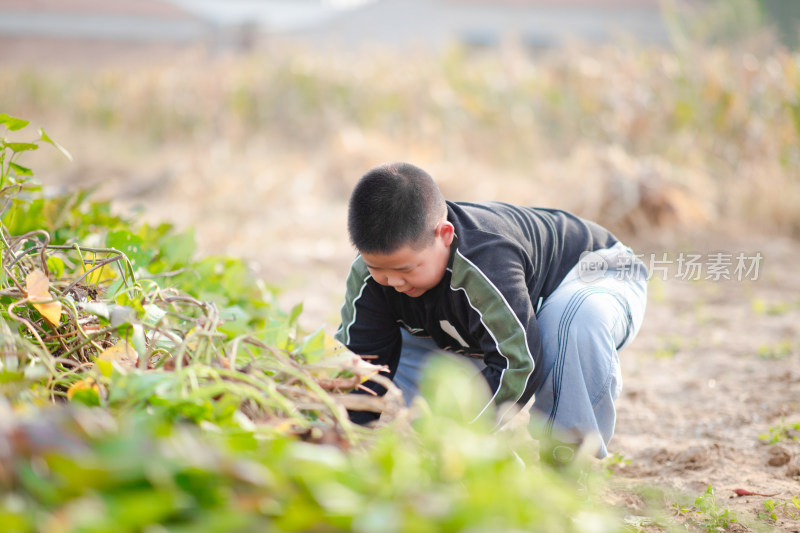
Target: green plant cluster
x: 789, y: 509
x: 80, y: 469
x: 146, y: 390
x: 72, y: 225
x: 707, y: 513
x: 87, y: 295
x: 781, y: 432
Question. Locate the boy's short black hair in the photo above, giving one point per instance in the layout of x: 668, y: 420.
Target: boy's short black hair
x: 394, y: 205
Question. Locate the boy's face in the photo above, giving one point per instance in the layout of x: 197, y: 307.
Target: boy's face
x: 413, y: 272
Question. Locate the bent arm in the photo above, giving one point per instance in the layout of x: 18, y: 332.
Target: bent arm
x: 504, y: 321
x: 368, y: 329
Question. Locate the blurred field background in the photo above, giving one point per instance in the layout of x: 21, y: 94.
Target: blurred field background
x: 679, y: 146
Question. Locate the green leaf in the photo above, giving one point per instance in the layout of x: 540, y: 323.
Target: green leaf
x: 447, y: 374
x: 294, y: 314
x: 235, y: 277
x: 132, y: 246
x: 122, y: 315
x: 21, y: 147
x: 105, y: 367
x: 20, y: 170
x: 38, y: 485
x: 235, y: 321
x: 8, y: 376
x: 313, y: 347
x: 97, y: 308
x: 56, y: 266
x: 195, y: 409
x: 24, y: 216
x: 115, y: 289
x: 47, y: 139
x: 138, y: 340
x: 13, y: 123
x: 276, y: 332
x: 153, y: 314
x: 139, y: 508
x: 135, y: 388
x: 15, y: 519
x: 178, y: 248
x: 88, y: 397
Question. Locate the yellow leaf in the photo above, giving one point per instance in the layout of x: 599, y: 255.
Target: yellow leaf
x: 285, y: 426
x: 333, y: 346
x: 106, y: 368
x: 121, y: 353
x: 38, y: 287
x: 100, y: 275
x: 83, y: 384
x: 37, y: 284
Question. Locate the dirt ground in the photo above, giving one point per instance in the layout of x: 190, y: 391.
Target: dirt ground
x: 717, y: 365
x: 715, y: 369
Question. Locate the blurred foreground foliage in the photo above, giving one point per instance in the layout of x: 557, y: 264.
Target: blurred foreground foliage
x: 144, y: 389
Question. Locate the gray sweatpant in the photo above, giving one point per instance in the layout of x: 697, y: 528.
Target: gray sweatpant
x: 595, y: 312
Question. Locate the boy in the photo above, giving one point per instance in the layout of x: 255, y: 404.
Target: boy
x: 544, y: 298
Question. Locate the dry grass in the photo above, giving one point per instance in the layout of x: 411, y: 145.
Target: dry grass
x: 719, y: 125
x: 259, y: 152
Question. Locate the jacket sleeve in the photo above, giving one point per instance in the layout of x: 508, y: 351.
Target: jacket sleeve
x: 369, y: 329
x: 503, y: 320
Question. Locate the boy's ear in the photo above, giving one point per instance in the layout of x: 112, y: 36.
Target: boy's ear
x: 446, y: 231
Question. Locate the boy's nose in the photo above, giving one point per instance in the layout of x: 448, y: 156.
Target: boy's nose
x: 394, y: 281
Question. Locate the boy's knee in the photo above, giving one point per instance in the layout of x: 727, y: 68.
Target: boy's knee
x: 590, y: 334
x: 602, y: 322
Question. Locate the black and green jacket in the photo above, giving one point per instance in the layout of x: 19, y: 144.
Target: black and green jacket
x: 504, y: 261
